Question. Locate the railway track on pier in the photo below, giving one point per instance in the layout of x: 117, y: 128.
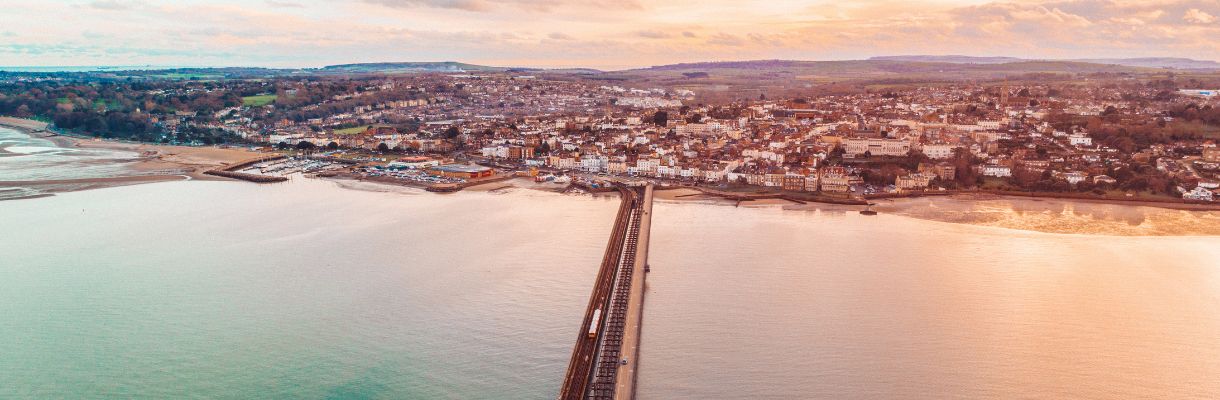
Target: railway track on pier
x: 581, y: 372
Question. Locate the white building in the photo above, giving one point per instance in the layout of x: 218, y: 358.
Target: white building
x: 1074, y: 177
x: 939, y: 151
x: 876, y: 147
x: 1080, y: 139
x: 998, y: 171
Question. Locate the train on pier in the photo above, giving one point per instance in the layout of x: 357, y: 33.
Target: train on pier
x: 595, y: 323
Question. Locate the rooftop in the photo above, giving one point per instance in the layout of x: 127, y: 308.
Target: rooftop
x: 461, y: 168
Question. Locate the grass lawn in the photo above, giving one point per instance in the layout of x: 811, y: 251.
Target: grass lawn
x: 258, y: 101
x: 991, y: 182
x: 354, y: 130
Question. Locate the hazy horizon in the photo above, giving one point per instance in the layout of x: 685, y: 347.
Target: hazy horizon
x: 93, y: 68
x: 601, y: 34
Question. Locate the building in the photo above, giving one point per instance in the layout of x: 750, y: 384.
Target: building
x: 413, y: 163
x: 938, y: 151
x: 912, y: 182
x: 1080, y: 139
x: 461, y: 171
x: 998, y: 171
x: 794, y: 182
x: 1199, y: 92
x: 944, y: 170
x: 876, y: 147
x: 811, y: 183
x: 1074, y: 177
x: 835, y: 179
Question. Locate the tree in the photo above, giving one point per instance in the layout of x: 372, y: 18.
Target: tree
x: 305, y: 145
x: 963, y: 162
x: 661, y: 118
x: 382, y: 147
x: 452, y: 133
x: 332, y: 146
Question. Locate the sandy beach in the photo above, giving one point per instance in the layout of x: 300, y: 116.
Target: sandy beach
x: 151, y: 162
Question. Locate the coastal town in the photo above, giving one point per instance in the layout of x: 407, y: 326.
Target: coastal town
x: 1109, y: 138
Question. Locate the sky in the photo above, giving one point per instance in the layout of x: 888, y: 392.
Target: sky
x: 603, y: 34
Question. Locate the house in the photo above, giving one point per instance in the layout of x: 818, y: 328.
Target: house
x: 835, y: 179
x: 794, y: 182
x: 912, y: 181
x: 1080, y: 139
x: 811, y: 183
x: 944, y: 171
x: 998, y: 171
x: 939, y: 151
x: 1074, y: 177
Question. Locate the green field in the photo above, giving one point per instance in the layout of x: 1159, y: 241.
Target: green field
x: 354, y: 130
x: 258, y: 101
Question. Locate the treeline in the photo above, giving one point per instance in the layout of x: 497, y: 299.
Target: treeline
x: 120, y: 109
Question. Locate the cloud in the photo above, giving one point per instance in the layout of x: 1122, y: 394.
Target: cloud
x: 113, y: 5
x: 725, y: 39
x: 653, y: 34
x: 527, y: 5
x: 284, y: 4
x: 594, y: 33
x: 1197, y: 16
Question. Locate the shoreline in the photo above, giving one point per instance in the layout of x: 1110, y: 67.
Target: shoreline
x: 1067, y: 197
x: 160, y: 163
x: 152, y: 162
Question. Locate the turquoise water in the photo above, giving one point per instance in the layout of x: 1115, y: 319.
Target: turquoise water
x: 299, y: 290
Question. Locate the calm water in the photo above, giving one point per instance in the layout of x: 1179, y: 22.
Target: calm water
x: 765, y: 303
x: 300, y: 290
x: 309, y: 290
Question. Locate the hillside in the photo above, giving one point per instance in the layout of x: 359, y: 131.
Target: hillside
x: 406, y: 67
x: 1143, y: 62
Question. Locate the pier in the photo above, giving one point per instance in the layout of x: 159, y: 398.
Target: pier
x: 231, y: 171
x: 603, y: 362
